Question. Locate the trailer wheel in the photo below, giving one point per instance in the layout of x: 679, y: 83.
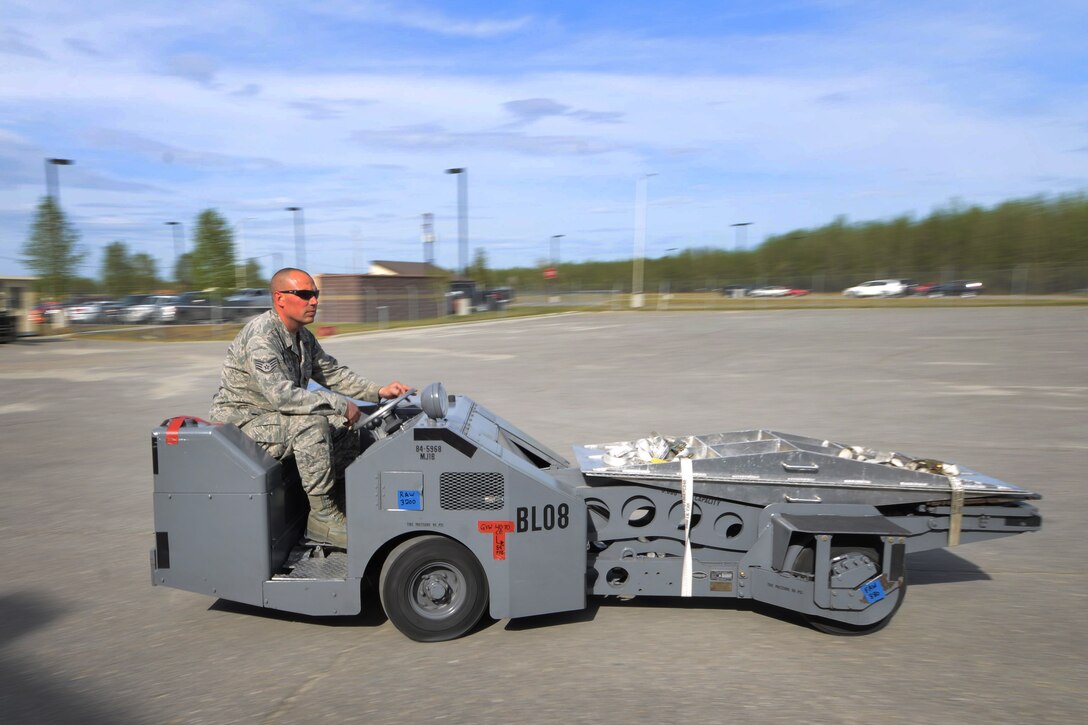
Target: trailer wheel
x: 433, y: 589
x: 830, y: 626
x: 805, y: 562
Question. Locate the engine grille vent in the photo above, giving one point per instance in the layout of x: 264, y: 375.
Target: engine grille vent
x: 471, y: 491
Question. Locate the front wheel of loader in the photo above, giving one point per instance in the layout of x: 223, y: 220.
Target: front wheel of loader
x: 805, y: 563
x: 433, y: 589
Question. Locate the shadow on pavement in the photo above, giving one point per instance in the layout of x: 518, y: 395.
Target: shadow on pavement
x: 372, y: 615
x: 941, y: 565
x: 29, y: 694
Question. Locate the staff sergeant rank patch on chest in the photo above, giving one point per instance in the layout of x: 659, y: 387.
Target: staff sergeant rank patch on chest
x: 267, y: 365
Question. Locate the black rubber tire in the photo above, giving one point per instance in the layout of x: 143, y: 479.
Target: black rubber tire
x: 433, y: 589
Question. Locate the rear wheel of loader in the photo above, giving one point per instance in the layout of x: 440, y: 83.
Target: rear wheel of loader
x: 805, y: 563
x: 433, y: 589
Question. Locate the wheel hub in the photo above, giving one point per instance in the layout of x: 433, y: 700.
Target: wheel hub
x: 436, y: 589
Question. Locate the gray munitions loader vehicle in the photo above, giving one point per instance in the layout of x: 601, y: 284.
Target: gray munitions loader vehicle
x: 453, y: 512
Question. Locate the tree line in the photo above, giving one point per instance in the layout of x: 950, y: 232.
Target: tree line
x: 1043, y: 239
x: 53, y: 252
x: 1039, y: 243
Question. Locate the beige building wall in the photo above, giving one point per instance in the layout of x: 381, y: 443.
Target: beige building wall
x: 19, y: 297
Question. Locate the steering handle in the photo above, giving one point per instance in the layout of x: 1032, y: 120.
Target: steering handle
x: 383, y: 411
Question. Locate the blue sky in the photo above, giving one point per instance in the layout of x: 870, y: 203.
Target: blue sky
x: 784, y: 114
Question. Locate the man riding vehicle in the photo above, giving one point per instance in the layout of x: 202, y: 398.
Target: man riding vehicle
x: 263, y: 391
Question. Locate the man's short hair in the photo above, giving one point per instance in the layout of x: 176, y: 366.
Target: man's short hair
x: 282, y: 274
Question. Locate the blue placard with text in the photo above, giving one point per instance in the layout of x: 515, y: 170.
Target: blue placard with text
x: 873, y: 591
x: 410, y: 500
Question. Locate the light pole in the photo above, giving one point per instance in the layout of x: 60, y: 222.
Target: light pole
x: 428, y: 238
x: 555, y: 248
x: 640, y: 239
x: 52, y: 186
x: 462, y: 217
x: 300, y: 237
x: 179, y: 243
x: 741, y: 233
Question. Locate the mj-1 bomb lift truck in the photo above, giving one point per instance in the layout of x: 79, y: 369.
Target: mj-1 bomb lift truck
x: 453, y: 512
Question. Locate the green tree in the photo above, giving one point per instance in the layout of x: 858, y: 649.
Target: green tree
x: 52, y: 250
x: 183, y: 271
x: 145, y: 275
x: 213, y: 255
x: 254, y: 277
x: 478, y: 269
x: 123, y: 273
x: 117, y: 272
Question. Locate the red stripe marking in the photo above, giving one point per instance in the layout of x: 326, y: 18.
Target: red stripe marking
x: 174, y: 425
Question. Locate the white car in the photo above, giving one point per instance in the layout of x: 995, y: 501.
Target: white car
x: 877, y: 288
x: 83, y: 311
x: 770, y: 292
x: 156, y: 308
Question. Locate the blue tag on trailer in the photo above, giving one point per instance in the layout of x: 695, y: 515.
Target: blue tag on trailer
x: 412, y: 501
x: 873, y: 591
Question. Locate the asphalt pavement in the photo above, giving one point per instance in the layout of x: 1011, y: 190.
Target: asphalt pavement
x: 993, y: 632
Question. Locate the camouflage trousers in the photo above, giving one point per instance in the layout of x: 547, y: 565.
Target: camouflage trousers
x: 322, y: 446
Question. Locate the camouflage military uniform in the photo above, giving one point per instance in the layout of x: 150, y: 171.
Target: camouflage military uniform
x: 262, y: 390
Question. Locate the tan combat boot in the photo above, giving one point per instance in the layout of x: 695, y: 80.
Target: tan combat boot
x: 326, y: 523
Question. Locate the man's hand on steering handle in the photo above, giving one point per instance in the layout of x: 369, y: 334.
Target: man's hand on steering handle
x: 353, y: 414
x: 394, y: 389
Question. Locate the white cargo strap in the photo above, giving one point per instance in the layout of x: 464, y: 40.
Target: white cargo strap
x: 956, y: 516
x: 687, y: 485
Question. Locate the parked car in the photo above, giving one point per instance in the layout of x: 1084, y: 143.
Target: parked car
x: 777, y: 291
x: 922, y: 288
x: 246, y: 303
x: 956, y: 288
x: 497, y: 299
x: 768, y: 292
x: 117, y: 311
x: 197, y: 307
x: 166, y: 308
x: 909, y: 286
x: 147, y: 310
x: 82, y: 310
x: 879, y: 288
x: 43, y: 313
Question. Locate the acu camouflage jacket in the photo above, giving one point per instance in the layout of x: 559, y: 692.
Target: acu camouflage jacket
x: 267, y: 371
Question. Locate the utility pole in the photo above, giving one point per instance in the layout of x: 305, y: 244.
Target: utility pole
x: 462, y: 217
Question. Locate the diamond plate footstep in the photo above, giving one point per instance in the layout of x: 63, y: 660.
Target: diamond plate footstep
x: 333, y: 566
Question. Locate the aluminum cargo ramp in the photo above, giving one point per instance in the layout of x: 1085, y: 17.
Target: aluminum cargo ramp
x: 764, y: 467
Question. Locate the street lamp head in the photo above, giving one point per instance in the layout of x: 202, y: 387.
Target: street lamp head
x: 292, y: 208
x: 455, y: 171
x: 61, y: 162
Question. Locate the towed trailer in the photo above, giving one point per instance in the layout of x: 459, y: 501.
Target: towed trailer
x: 454, y: 512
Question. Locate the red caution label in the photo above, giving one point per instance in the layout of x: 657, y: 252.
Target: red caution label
x: 498, y: 531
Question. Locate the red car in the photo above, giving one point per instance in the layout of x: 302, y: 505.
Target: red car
x: 922, y: 289
x: 43, y: 312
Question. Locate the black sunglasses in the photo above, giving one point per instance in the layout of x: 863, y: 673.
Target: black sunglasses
x: 303, y: 294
